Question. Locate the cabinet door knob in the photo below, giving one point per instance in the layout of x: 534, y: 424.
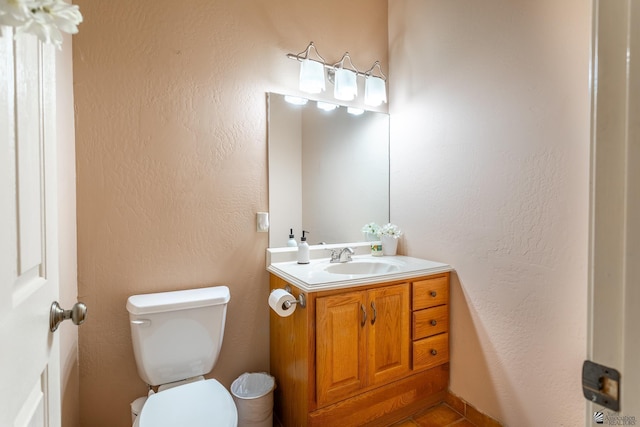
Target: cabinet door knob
x: 364, y: 315
x: 434, y: 352
x: 433, y: 293
x: 433, y: 323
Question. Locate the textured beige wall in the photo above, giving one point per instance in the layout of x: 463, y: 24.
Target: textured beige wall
x: 171, y: 163
x: 490, y: 114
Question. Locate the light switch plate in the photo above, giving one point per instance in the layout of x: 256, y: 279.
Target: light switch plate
x: 262, y: 222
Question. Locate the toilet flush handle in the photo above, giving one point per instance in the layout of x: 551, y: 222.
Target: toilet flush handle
x: 57, y: 315
x: 141, y: 322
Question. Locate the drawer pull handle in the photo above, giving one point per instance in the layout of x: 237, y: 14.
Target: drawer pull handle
x: 433, y: 323
x: 434, y: 352
x: 433, y: 293
x: 375, y: 312
x: 364, y: 315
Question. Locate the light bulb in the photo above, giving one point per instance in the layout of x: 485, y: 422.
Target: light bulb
x: 326, y: 106
x: 295, y: 100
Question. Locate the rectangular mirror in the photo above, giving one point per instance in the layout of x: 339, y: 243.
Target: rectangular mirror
x: 328, y: 171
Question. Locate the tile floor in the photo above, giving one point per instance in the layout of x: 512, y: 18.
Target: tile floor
x: 442, y: 415
x: 438, y: 416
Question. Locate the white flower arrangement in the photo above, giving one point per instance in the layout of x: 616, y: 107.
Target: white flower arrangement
x: 386, y: 230
x: 391, y: 230
x: 43, y: 18
x: 371, y: 228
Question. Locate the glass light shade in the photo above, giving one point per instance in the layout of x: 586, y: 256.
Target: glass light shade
x: 375, y: 91
x: 346, y: 87
x: 311, y: 76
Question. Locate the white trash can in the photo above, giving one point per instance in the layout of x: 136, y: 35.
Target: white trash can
x: 253, y: 395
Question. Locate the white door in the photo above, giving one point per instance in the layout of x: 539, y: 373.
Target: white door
x: 29, y: 352
x: 614, y: 306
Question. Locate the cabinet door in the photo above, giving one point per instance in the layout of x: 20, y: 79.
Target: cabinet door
x: 340, y: 345
x: 388, y: 333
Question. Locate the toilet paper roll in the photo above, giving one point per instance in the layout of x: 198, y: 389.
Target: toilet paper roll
x: 277, y: 300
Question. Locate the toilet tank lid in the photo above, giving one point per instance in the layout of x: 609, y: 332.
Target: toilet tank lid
x: 178, y: 300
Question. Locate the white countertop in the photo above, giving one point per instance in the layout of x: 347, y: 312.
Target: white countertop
x: 314, y: 277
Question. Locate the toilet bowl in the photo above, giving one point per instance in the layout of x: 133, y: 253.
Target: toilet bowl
x: 194, y: 405
x: 177, y: 337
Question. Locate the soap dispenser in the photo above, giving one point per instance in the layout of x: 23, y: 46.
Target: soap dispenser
x: 292, y: 241
x: 303, y: 249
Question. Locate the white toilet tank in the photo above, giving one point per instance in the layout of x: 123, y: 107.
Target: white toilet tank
x: 177, y: 335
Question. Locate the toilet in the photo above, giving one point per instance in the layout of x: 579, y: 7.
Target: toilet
x: 177, y: 338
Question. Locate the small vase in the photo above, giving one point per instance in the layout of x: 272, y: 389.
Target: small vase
x: 389, y: 245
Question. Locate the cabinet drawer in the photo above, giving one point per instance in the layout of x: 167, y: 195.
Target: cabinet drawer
x: 431, y: 321
x: 430, y: 293
x: 430, y: 352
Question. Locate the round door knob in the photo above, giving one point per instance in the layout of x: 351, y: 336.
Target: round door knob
x: 57, y: 315
x: 434, y: 293
x: 434, y: 352
x: 433, y: 323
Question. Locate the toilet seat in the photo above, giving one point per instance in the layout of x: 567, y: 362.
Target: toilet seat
x: 195, y: 405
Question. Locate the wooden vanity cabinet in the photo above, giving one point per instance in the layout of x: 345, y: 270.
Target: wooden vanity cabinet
x: 362, y: 355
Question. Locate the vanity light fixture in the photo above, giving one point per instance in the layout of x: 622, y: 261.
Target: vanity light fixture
x: 312, y: 78
x: 326, y: 106
x: 311, y: 70
x: 375, y: 89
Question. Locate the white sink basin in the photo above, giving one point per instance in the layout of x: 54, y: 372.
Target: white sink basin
x: 362, y: 267
x: 320, y: 274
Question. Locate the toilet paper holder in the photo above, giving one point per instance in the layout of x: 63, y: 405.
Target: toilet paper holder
x: 301, y: 301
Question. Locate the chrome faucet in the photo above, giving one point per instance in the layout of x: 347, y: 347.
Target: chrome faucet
x: 341, y: 255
